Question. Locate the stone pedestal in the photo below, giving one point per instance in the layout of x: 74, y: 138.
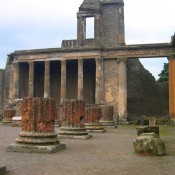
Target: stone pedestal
x: 92, y: 117
x: 107, y: 115
x: 73, y: 114
x: 37, y: 135
x: 147, y: 129
x: 152, y: 121
x: 8, y: 114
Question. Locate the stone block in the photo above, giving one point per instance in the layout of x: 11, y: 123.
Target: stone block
x: 149, y: 143
x: 147, y: 129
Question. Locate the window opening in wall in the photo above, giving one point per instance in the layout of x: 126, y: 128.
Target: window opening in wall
x: 90, y: 27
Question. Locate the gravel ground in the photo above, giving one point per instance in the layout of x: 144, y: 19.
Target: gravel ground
x: 109, y: 153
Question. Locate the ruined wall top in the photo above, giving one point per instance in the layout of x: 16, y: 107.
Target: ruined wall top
x: 95, y: 4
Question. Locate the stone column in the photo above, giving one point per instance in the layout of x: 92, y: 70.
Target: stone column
x: 38, y: 134
x: 31, y: 79
x: 15, y: 81
x: 97, y: 29
x: 81, y: 30
x: 80, y: 79
x: 122, y: 103
x: 47, y: 79
x: 63, y: 80
x: 73, y: 116
x: 98, y: 90
x: 172, y: 87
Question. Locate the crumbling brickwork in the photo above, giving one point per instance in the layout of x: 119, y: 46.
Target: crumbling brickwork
x: 8, y: 114
x: 73, y: 113
x: 38, y: 114
x: 92, y: 114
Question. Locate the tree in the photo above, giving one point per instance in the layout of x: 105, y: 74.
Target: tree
x: 163, y: 76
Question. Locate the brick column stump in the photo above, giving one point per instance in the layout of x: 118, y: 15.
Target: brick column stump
x: 92, y: 117
x: 107, y: 116
x: 73, y: 114
x: 37, y: 135
x: 8, y: 114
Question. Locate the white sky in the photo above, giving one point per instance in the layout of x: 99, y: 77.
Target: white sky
x: 32, y: 24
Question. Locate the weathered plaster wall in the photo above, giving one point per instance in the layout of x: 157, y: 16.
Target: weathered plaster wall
x: 110, y: 73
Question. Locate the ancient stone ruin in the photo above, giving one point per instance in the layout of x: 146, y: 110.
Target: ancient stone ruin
x: 73, y: 116
x: 37, y: 135
x: 107, y: 112
x: 92, y: 117
x: 149, y: 144
x: 100, y: 70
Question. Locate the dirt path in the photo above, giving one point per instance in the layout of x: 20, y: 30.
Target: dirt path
x: 110, y: 153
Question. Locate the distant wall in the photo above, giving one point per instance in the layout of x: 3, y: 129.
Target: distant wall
x: 145, y: 96
x: 1, y: 90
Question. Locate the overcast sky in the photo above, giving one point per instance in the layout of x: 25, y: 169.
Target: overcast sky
x: 33, y: 24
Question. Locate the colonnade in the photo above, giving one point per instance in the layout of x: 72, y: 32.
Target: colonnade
x: 99, y: 90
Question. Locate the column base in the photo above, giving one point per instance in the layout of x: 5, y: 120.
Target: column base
x: 109, y: 124
x: 6, y: 122
x: 27, y: 148
x: 95, y: 127
x: 73, y: 133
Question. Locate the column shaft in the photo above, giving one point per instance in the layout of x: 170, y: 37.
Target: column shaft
x: 98, y: 90
x: 80, y: 79
x: 15, y: 81
x: 122, y: 104
x: 47, y: 79
x: 63, y: 80
x: 31, y: 79
x: 172, y: 88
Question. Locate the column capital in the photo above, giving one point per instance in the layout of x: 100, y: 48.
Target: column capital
x: 171, y: 57
x: 121, y: 59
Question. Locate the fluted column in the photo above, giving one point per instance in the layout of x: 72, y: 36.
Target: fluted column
x: 15, y: 81
x: 47, y: 79
x: 122, y: 104
x: 63, y: 80
x: 80, y: 79
x: 172, y: 87
x: 31, y: 79
x: 98, y: 89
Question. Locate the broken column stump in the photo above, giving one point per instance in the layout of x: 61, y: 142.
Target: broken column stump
x: 107, y: 115
x: 17, y: 119
x: 149, y: 144
x: 37, y: 135
x: 92, y: 117
x: 73, y: 113
x: 8, y: 114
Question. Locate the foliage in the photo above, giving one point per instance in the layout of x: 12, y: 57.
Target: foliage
x: 163, y: 76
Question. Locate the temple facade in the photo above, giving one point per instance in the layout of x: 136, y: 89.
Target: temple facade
x: 90, y: 69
